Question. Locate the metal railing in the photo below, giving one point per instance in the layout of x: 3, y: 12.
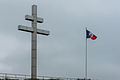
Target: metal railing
x: 4, y: 76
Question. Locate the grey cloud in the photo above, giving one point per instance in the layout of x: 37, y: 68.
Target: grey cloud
x: 62, y: 53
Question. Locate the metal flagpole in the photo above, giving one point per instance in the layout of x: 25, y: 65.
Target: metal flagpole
x: 86, y: 57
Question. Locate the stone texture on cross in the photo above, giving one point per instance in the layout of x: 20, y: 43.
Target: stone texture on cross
x: 34, y: 32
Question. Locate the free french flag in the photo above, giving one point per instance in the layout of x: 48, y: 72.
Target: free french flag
x: 90, y: 35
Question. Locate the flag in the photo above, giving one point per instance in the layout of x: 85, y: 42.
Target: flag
x: 90, y: 35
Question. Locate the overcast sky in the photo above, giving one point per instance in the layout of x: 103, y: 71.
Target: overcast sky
x: 62, y: 53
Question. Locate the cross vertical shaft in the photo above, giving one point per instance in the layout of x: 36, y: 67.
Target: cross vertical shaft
x: 34, y: 43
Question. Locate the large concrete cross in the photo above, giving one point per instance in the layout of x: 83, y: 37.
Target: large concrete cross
x: 34, y: 32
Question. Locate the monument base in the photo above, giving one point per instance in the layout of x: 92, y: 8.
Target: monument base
x: 31, y: 79
x: 42, y: 79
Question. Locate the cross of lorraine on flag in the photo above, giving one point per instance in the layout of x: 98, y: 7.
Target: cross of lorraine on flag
x: 90, y: 35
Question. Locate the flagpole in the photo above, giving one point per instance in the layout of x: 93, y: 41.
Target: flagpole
x: 93, y: 37
x: 86, y: 57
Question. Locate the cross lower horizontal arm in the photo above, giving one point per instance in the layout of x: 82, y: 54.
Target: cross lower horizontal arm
x: 30, y: 29
x: 25, y: 28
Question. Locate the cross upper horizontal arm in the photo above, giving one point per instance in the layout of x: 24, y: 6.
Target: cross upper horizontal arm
x: 25, y: 28
x: 40, y: 20
x: 31, y: 18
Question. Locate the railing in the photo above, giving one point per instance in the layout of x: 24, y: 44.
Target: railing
x: 4, y: 76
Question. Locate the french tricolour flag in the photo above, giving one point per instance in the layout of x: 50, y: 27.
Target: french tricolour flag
x: 90, y: 35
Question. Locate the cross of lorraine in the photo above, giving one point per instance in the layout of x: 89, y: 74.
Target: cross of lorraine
x: 34, y: 32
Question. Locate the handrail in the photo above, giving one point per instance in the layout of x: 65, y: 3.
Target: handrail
x: 24, y: 76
